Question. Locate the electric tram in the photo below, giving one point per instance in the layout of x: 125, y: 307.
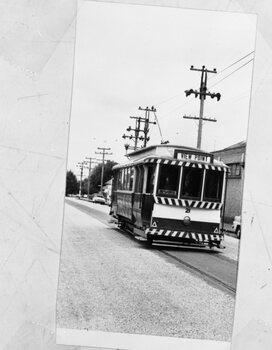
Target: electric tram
x: 167, y: 193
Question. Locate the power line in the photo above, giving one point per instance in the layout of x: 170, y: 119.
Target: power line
x: 185, y: 103
x: 232, y: 73
x: 168, y: 99
x: 223, y: 70
x: 235, y: 62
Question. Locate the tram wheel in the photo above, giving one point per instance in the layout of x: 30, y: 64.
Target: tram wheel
x: 238, y: 232
x: 211, y: 245
x: 149, y: 241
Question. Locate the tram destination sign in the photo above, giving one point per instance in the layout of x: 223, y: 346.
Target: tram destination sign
x: 192, y: 155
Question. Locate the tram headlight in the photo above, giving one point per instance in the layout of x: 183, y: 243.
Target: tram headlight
x: 186, y: 220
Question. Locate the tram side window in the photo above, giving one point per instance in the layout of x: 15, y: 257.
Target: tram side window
x: 213, y: 185
x: 150, y: 179
x: 191, y: 183
x: 128, y: 173
x: 168, y: 183
x: 115, y: 180
x: 119, y: 179
x: 131, y: 179
x: 139, y: 180
x: 125, y: 179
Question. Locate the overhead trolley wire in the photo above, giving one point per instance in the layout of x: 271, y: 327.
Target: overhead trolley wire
x: 236, y: 62
x: 229, y: 66
x: 231, y: 73
x: 214, y: 76
x: 232, y: 64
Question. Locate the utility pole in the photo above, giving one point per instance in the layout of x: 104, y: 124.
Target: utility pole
x: 136, y: 136
x: 103, y: 149
x: 137, y: 130
x: 202, y: 93
x: 81, y: 166
x: 147, y: 121
x: 90, y: 162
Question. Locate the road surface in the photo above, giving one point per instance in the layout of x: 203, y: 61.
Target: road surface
x: 111, y: 282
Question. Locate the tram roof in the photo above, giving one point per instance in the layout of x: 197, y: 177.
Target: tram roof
x: 169, y: 153
x: 155, y: 148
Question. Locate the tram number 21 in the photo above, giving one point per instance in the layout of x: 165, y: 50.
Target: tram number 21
x: 187, y: 210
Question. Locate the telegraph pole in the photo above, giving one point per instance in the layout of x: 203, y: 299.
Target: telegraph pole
x: 90, y: 162
x: 103, y: 152
x: 147, y: 121
x: 81, y: 166
x: 137, y: 131
x: 202, y: 93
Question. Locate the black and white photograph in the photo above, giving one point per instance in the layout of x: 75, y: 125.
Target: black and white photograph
x: 135, y: 174
x: 155, y: 171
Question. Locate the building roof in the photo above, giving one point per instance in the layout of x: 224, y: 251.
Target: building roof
x: 236, y: 145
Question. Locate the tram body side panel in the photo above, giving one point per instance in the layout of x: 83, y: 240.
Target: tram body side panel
x: 124, y: 201
x: 147, y: 208
x: 135, y: 207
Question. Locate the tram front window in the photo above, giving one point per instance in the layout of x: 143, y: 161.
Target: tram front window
x: 213, y: 185
x: 168, y: 181
x: 191, y: 183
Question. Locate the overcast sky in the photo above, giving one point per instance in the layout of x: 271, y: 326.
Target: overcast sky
x: 130, y: 55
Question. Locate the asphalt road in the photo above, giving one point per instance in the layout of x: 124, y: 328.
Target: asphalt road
x: 218, y: 267
x: 109, y: 281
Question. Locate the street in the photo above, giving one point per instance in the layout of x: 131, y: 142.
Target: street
x: 110, y: 281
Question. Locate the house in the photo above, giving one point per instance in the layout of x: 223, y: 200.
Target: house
x: 234, y: 157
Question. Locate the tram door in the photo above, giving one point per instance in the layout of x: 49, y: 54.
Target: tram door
x: 138, y: 194
x: 147, y: 198
x: 143, y: 195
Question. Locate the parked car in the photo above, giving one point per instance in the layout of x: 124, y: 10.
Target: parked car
x: 236, y: 225
x: 98, y: 198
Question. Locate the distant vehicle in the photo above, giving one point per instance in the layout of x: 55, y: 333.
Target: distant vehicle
x: 98, y: 198
x: 236, y: 226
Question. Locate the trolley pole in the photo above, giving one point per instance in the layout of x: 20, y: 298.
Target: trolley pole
x: 202, y: 93
x: 103, y: 152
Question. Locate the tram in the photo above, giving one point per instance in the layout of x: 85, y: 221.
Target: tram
x: 168, y: 193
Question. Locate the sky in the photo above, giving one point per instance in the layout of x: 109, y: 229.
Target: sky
x: 128, y: 56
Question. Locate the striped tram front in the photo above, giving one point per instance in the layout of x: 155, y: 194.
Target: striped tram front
x: 183, y: 235
x: 185, y: 220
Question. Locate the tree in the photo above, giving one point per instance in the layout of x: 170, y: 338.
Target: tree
x: 85, y: 186
x: 95, y: 180
x: 72, y: 185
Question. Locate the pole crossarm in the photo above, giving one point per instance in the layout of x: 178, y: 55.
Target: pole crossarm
x: 206, y: 119
x: 203, y: 69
